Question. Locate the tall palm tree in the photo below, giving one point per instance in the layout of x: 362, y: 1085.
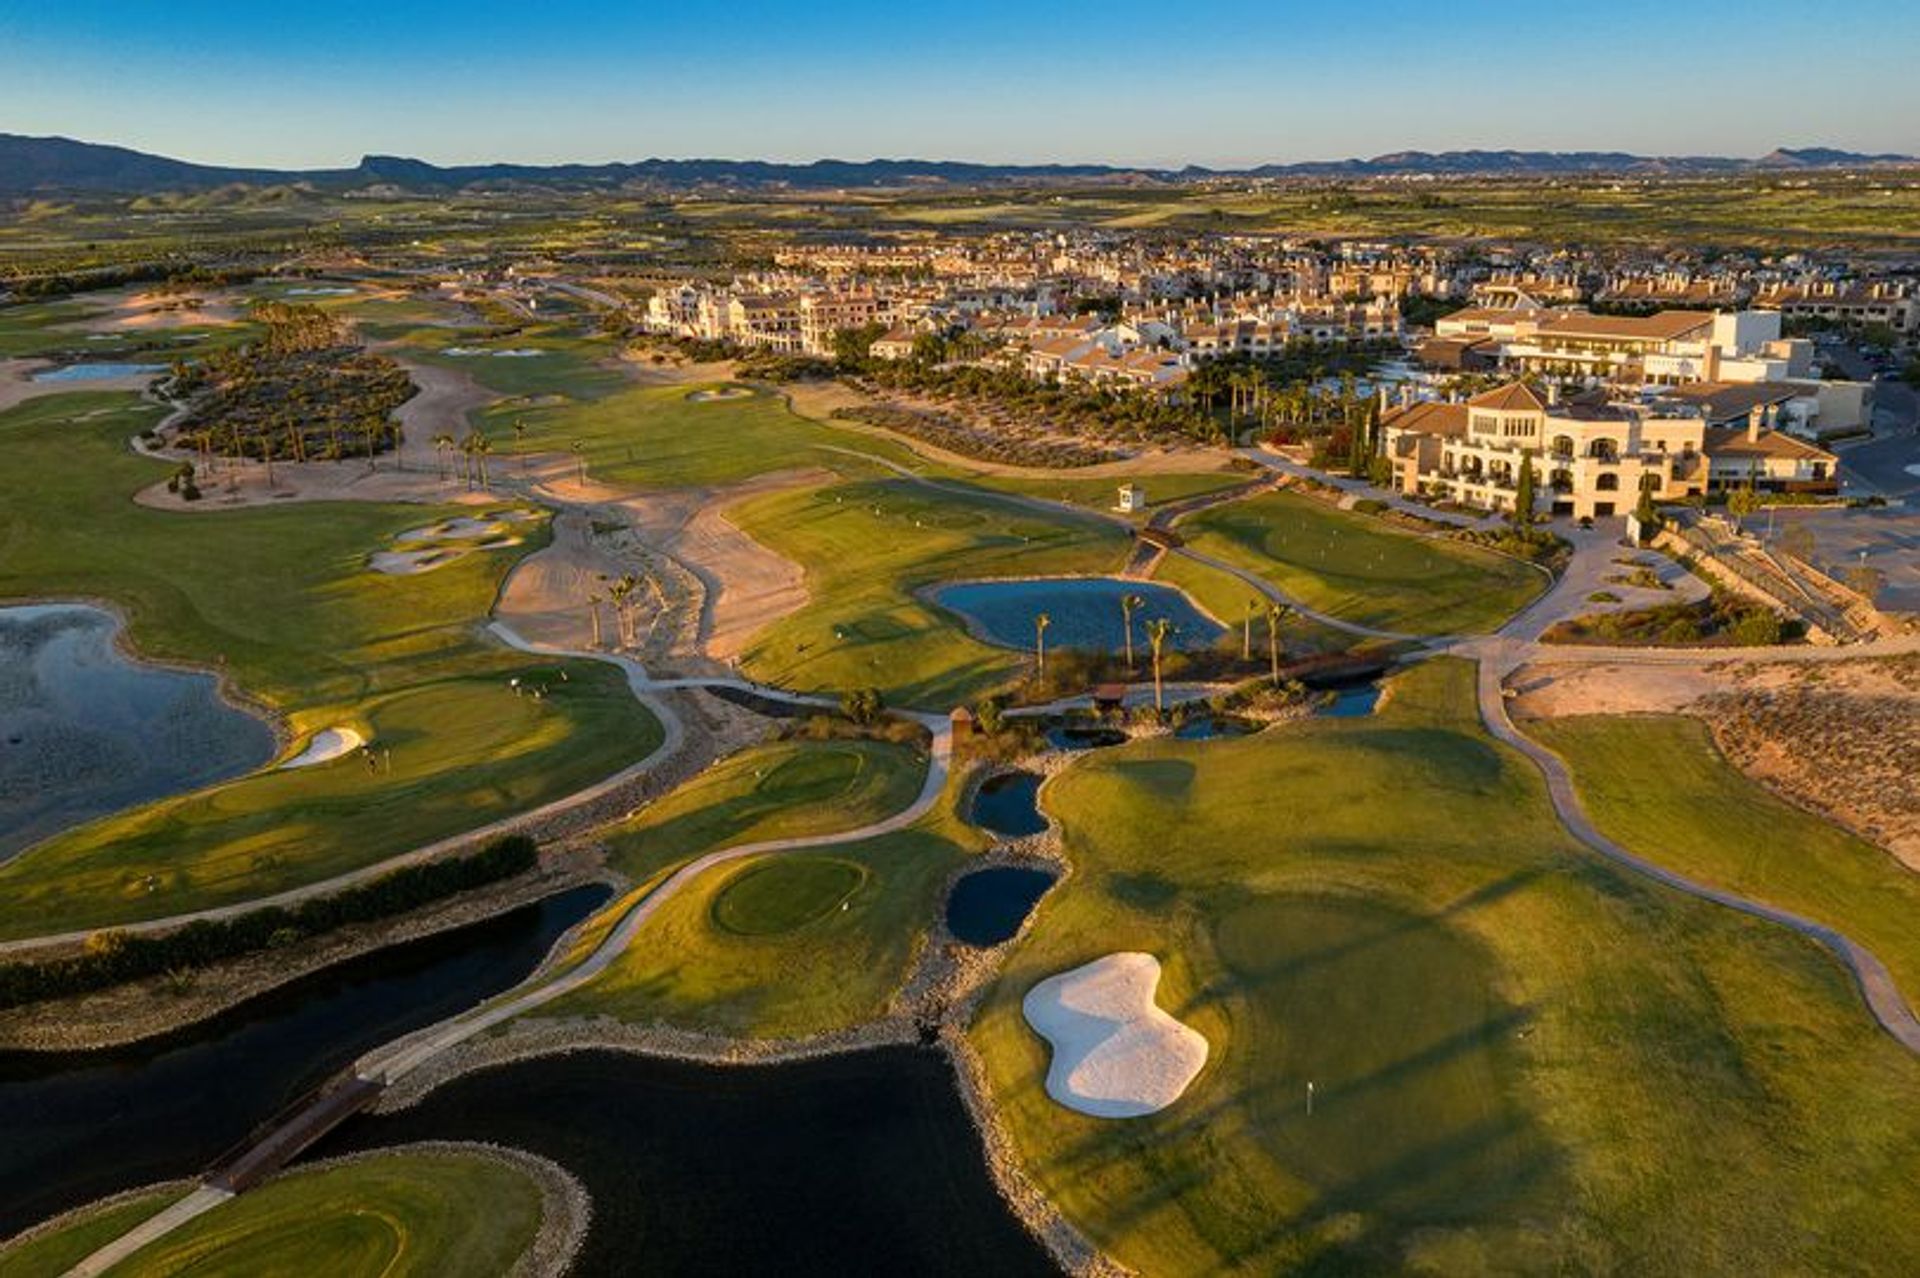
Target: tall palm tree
x: 580, y: 461
x: 1040, y: 623
x: 1246, y: 630
x: 442, y: 445
x: 481, y: 447
x: 1128, y: 603
x: 520, y: 443
x: 1276, y: 613
x: 1157, y: 631
x: 594, y: 601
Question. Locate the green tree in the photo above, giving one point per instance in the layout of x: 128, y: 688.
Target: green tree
x: 1128, y: 605
x: 1040, y: 623
x: 1523, y: 494
x: 1276, y: 613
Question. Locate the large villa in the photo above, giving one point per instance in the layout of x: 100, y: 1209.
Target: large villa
x: 1592, y: 456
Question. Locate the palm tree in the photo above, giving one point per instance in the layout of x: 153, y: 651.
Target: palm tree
x: 1157, y: 631
x: 520, y: 443
x: 593, y: 610
x: 1276, y: 613
x: 442, y: 445
x: 620, y: 592
x: 1127, y: 605
x: 1040, y: 623
x: 481, y: 447
x: 1246, y: 630
x: 580, y: 461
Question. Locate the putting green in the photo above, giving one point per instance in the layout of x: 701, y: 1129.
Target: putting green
x: 1522, y: 1058
x: 1361, y: 569
x: 767, y: 952
x: 785, y: 789
x: 785, y: 894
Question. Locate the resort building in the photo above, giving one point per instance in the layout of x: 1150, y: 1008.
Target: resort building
x: 1666, y: 348
x: 1591, y: 458
x: 1888, y: 302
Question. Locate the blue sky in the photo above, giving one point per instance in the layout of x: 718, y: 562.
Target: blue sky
x: 1220, y: 83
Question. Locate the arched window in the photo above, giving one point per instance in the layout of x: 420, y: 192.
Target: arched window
x: 1562, y: 481
x: 1604, y: 449
x: 1563, y: 445
x: 1607, y: 483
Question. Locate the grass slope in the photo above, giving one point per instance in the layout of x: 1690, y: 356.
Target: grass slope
x: 53, y: 1253
x: 867, y: 546
x: 786, y: 945
x: 281, y: 599
x: 443, y: 1215
x: 1360, y: 569
x: 1523, y: 1060
x: 1658, y: 785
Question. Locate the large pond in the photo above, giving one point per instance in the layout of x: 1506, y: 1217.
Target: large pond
x: 74, y: 1127
x: 1083, y: 612
x: 85, y: 731
x: 858, y: 1164
x: 988, y: 906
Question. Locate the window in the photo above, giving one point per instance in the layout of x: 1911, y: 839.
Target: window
x: 1607, y: 483
x: 1604, y: 449
x: 1563, y: 445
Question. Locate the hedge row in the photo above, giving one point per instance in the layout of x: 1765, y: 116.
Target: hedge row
x: 113, y: 957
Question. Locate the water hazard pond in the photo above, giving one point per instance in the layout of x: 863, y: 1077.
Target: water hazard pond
x: 85, y: 730
x: 84, y: 1124
x: 1084, y: 612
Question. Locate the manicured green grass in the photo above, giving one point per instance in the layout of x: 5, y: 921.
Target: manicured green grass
x: 1100, y: 494
x: 40, y: 326
x: 1523, y: 1060
x: 784, y: 894
x: 569, y: 365
x: 437, y: 1215
x: 1658, y: 785
x: 1227, y: 597
x: 282, y: 600
x: 779, y: 947
x: 867, y: 546
x: 659, y: 437
x: 53, y: 1254
x: 1360, y: 569
x: 786, y: 789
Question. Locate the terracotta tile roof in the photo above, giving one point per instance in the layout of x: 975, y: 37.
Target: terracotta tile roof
x: 1430, y: 417
x: 1660, y: 326
x: 1514, y: 397
x: 1732, y: 441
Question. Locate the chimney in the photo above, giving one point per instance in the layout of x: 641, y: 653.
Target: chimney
x: 1755, y: 417
x: 1553, y: 394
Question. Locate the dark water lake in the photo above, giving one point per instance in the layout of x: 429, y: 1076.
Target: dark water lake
x: 1205, y: 727
x: 1076, y: 737
x: 75, y: 1127
x: 1084, y: 613
x: 84, y: 731
x: 1353, y: 702
x: 857, y: 1164
x: 95, y: 372
x: 1009, y: 805
x: 988, y: 906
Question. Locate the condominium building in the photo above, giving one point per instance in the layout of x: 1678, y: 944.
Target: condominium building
x: 1666, y: 348
x: 1889, y: 302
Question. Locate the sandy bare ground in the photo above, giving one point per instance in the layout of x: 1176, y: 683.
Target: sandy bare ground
x: 1116, y: 1054
x: 17, y: 385
x: 747, y: 586
x: 326, y: 745
x: 545, y: 597
x: 132, y: 309
x: 1835, y: 737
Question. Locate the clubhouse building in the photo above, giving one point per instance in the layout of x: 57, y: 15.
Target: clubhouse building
x: 1591, y: 457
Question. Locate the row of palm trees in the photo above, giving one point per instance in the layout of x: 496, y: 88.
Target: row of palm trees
x: 1160, y: 629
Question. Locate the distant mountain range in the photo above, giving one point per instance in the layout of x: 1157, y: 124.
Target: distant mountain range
x: 49, y: 166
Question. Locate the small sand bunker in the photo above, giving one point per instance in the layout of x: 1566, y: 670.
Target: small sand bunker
x: 459, y: 526
x: 325, y: 746
x: 715, y: 396
x: 1116, y: 1054
x: 405, y: 563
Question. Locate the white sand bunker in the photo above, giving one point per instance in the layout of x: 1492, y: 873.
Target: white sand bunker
x: 325, y: 746
x: 1116, y: 1054
x: 715, y: 396
x: 405, y: 563
x: 458, y: 526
